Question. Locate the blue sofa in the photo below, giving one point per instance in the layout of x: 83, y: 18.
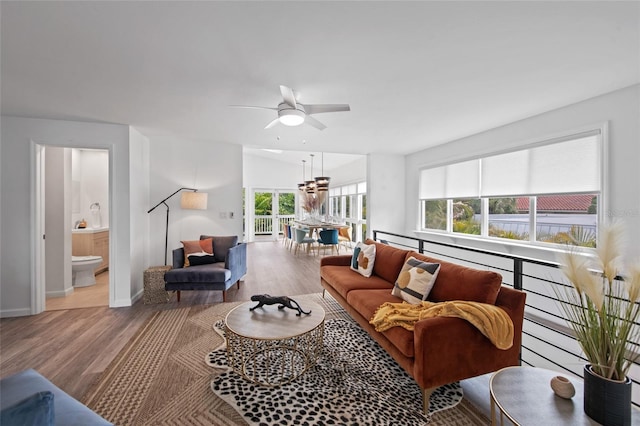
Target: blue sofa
x: 229, y: 267
x: 28, y: 398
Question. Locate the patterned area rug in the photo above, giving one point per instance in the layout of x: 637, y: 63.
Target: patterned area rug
x: 352, y: 374
x: 159, y: 378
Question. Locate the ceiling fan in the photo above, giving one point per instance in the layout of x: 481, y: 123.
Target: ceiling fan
x: 293, y: 113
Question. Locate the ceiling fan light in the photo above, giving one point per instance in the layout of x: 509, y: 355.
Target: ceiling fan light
x: 291, y: 117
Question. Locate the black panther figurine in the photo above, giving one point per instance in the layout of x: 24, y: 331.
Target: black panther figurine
x: 284, y: 301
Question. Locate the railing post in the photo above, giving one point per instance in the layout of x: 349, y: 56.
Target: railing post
x: 517, y: 273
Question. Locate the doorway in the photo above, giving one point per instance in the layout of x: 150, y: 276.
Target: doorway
x: 73, y: 198
x: 272, y: 209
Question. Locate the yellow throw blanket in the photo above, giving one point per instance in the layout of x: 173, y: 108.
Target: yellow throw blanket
x: 492, y: 321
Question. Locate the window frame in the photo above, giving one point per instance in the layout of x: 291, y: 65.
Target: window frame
x: 601, y: 131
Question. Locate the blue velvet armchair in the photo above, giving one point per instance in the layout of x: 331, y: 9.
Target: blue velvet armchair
x: 229, y: 268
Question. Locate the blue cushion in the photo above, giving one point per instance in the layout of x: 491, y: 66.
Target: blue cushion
x: 35, y: 410
x: 68, y: 411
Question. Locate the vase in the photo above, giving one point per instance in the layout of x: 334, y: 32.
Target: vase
x: 607, y: 401
x: 563, y: 387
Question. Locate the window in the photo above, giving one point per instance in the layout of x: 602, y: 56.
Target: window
x: 547, y: 192
x: 466, y: 216
x: 434, y: 213
x: 508, y: 218
x: 348, y: 204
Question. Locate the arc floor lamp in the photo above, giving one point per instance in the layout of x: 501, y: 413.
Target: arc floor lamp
x: 189, y: 200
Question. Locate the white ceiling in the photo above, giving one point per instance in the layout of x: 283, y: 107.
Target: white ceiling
x: 416, y: 74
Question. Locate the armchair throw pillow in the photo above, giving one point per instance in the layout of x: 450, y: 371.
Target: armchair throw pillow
x: 415, y: 281
x: 199, y: 252
x: 364, y: 256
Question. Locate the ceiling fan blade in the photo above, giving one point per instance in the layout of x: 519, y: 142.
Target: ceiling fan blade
x: 314, y: 123
x: 273, y: 123
x: 288, y: 96
x: 317, y: 109
x: 251, y: 106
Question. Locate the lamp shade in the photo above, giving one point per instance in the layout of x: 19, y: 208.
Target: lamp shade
x: 322, y: 183
x: 194, y: 200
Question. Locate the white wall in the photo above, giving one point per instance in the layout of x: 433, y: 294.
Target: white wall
x: 90, y: 171
x: 265, y: 173
x: 620, y: 109
x: 385, y: 199
x: 353, y: 172
x: 139, y: 204
x: 57, y: 225
x: 214, y: 168
x: 18, y: 136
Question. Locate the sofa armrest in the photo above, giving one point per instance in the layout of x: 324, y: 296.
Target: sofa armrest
x: 342, y: 260
x: 236, y: 261
x: 178, y: 258
x: 451, y: 349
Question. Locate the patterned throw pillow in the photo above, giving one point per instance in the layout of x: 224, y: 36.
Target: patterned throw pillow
x: 416, y: 280
x: 199, y: 252
x: 364, y: 255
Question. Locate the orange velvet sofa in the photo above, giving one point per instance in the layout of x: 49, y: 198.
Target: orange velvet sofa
x: 439, y: 350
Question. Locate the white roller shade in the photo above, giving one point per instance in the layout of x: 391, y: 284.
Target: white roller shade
x: 566, y: 167
x: 460, y: 180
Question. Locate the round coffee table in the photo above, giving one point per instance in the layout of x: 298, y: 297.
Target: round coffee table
x: 272, y: 346
x: 524, y: 396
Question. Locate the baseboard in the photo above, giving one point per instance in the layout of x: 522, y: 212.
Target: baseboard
x: 137, y: 296
x: 121, y: 303
x: 59, y: 293
x: 9, y: 313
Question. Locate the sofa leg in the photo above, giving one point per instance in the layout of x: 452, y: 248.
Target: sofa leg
x: 224, y: 295
x: 178, y: 295
x: 426, y: 396
x: 238, y: 282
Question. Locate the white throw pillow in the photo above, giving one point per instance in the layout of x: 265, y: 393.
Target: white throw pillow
x: 364, y: 255
x: 415, y: 281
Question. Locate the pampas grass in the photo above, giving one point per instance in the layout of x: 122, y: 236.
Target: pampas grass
x: 601, y: 308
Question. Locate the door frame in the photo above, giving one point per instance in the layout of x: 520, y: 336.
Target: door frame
x: 37, y: 213
x: 275, y: 206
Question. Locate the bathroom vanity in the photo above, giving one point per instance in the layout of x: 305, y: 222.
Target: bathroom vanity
x: 92, y: 242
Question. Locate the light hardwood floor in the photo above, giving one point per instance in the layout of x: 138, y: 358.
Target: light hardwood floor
x: 72, y: 347
x: 83, y: 297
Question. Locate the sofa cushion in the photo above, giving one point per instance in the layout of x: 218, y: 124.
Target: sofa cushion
x: 415, y: 280
x: 363, y: 259
x: 198, y: 252
x: 343, y: 280
x: 456, y: 282
x: 36, y: 409
x: 210, y: 273
x: 221, y: 245
x: 67, y: 410
x: 367, y: 302
x: 389, y: 261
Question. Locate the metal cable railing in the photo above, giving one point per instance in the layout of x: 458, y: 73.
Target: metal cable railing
x: 547, y: 341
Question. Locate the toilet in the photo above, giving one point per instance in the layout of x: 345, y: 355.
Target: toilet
x: 82, y: 268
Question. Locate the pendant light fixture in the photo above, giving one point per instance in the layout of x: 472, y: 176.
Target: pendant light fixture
x: 322, y: 182
x: 302, y: 186
x: 311, y: 184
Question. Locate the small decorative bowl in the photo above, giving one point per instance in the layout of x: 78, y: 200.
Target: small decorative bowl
x: 563, y: 387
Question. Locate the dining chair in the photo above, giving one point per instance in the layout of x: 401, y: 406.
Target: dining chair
x: 301, y: 238
x: 329, y: 237
x: 344, y: 236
